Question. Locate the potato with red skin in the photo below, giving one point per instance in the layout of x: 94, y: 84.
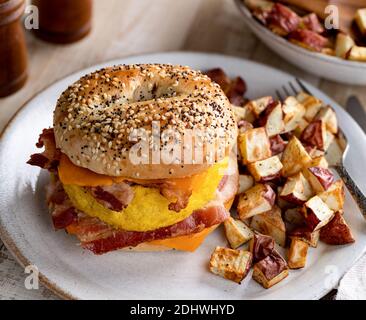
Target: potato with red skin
x: 317, y: 214
x: 308, y: 39
x: 294, y: 158
x: 261, y: 246
x: 320, y: 178
x: 282, y: 20
x: 336, y: 232
x: 272, y: 119
x: 278, y: 145
x: 254, y: 145
x: 297, y: 189
x: 271, y: 270
x: 312, y: 23
x: 259, y: 105
x: 271, y: 224
x: 306, y: 235
x: 334, y: 196
x: 265, y: 170
x: 256, y: 200
x: 315, y: 135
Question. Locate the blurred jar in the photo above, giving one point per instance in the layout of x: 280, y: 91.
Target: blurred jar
x: 63, y: 21
x: 13, y: 51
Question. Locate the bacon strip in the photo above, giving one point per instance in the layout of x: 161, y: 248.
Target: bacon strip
x: 99, y: 238
x: 115, y: 197
x: 49, y: 159
x: 61, y: 208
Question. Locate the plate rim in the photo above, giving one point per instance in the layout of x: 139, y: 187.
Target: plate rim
x: 6, y: 237
x: 247, y: 16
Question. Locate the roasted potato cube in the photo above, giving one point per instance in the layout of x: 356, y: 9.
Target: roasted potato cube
x: 361, y: 20
x: 272, y: 119
x: 277, y: 145
x: 261, y: 246
x: 265, y: 170
x: 293, y: 112
x: 254, y: 145
x: 357, y: 54
x: 297, y: 254
x: 259, y: 105
x: 244, y: 126
x: 334, y: 196
x: 317, y: 214
x: 271, y: 224
x: 245, y: 182
x: 237, y: 232
x: 256, y: 200
x: 334, y: 152
x: 305, y: 234
x: 308, y: 39
x: 320, y: 178
x: 294, y: 216
x: 319, y: 161
x: 294, y: 158
x: 343, y: 45
x: 328, y: 116
x: 282, y: 20
x: 312, y: 105
x: 300, y: 127
x: 336, y: 232
x: 297, y: 189
x: 312, y: 22
x: 243, y: 113
x: 231, y: 264
x: 315, y: 134
x: 271, y: 270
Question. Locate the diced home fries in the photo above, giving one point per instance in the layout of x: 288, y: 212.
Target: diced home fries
x: 288, y: 196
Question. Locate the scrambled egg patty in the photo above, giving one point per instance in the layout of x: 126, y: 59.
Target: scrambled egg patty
x: 149, y: 209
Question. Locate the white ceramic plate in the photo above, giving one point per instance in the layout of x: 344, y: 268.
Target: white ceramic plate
x: 332, y: 68
x: 27, y: 231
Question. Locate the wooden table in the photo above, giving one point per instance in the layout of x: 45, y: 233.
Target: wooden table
x: 128, y: 27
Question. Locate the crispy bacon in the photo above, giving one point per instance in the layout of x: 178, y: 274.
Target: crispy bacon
x: 99, y: 238
x: 115, y: 197
x: 50, y: 157
x: 179, y: 197
x: 62, y: 210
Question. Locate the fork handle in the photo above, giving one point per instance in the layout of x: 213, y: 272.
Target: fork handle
x: 352, y: 188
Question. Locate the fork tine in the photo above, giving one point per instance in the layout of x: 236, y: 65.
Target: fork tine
x: 287, y: 94
x: 296, y: 92
x: 279, y: 95
x: 302, y: 86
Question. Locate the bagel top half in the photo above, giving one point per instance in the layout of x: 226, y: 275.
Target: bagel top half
x: 94, y: 119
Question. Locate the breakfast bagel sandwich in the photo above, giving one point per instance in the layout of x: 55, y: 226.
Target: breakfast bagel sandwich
x: 141, y: 157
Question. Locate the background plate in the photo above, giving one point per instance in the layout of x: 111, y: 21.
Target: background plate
x: 322, y: 65
x: 26, y: 229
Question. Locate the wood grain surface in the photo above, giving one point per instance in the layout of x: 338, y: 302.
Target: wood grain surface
x: 122, y: 28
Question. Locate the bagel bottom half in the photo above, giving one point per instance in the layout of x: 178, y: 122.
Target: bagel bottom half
x: 184, y: 243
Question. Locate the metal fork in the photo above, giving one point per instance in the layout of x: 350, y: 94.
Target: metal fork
x: 337, y: 164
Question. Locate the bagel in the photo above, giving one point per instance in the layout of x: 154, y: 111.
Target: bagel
x: 95, y: 117
x: 141, y: 158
